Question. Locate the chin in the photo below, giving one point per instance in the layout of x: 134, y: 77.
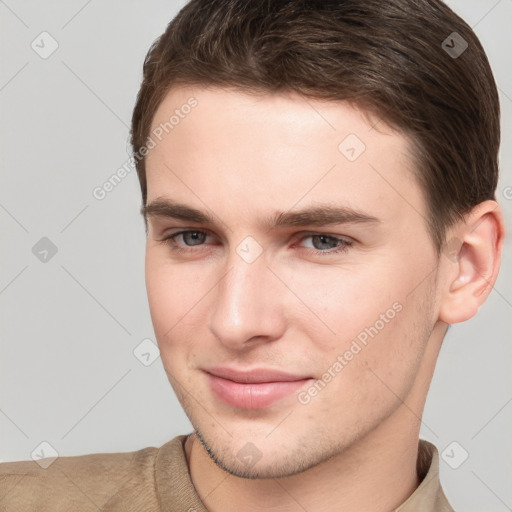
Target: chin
x: 264, y: 458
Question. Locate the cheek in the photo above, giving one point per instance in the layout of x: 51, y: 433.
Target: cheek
x: 369, y: 368
x: 172, y: 291
x: 179, y: 297
x: 368, y: 322
x: 344, y: 301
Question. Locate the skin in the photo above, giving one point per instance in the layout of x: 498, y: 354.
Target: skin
x: 242, y: 158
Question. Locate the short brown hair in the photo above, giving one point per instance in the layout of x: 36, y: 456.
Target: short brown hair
x: 389, y: 57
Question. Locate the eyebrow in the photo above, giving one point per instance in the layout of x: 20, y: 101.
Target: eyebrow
x: 318, y: 215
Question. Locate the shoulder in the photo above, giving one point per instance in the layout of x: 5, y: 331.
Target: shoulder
x: 87, y: 482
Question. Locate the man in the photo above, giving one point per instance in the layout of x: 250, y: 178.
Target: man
x: 318, y: 189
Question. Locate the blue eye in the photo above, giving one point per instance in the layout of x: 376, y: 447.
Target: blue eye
x: 194, y: 238
x: 341, y: 244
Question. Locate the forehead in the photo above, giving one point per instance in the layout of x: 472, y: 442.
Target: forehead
x: 232, y: 109
x: 261, y: 152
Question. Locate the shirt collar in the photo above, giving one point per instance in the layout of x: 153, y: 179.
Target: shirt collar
x: 429, y: 495
x: 175, y: 488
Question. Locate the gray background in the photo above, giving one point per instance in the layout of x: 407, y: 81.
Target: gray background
x: 70, y: 325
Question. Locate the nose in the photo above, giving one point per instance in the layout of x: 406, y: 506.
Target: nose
x: 249, y: 304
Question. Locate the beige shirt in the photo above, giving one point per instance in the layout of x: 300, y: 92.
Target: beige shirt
x: 150, y: 480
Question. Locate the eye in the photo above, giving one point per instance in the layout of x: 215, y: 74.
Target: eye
x: 325, y: 242
x: 196, y: 238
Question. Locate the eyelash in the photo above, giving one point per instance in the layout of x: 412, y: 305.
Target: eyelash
x: 173, y: 245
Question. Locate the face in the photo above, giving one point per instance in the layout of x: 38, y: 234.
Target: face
x: 342, y: 298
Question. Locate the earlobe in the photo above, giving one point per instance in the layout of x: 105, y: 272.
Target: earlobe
x: 472, y: 262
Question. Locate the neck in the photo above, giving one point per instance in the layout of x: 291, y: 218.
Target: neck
x: 376, y: 474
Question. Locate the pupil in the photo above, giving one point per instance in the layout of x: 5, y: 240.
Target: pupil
x: 323, y: 238
x: 194, y: 235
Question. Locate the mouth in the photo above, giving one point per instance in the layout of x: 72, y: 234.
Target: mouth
x: 254, y: 389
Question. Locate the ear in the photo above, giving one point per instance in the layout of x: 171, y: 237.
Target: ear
x: 473, y: 257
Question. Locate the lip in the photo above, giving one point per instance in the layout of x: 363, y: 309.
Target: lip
x: 254, y: 389
x: 255, y: 375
